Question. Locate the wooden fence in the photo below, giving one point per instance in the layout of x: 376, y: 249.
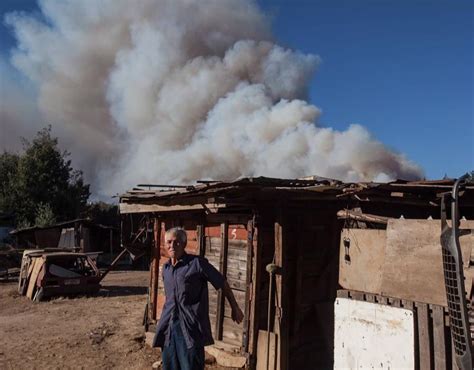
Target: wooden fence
x: 433, y: 347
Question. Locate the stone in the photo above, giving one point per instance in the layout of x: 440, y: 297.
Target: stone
x: 149, y: 338
x: 226, y: 359
x: 209, y: 359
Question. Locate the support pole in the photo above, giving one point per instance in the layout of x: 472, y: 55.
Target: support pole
x: 112, y: 265
x: 223, y: 270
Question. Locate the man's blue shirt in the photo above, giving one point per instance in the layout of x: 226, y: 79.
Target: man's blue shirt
x: 187, y: 300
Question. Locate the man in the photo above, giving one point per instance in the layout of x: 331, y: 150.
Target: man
x: 184, y: 328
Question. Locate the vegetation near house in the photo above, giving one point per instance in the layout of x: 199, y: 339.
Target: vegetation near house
x: 102, y: 213
x: 44, y: 215
x: 39, y: 185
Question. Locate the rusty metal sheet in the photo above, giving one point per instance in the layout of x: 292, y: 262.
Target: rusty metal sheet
x: 413, y: 267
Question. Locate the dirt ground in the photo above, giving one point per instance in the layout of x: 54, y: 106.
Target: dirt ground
x: 100, y: 332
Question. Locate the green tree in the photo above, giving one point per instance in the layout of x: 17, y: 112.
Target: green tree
x: 44, y: 215
x: 103, y: 213
x: 8, y: 180
x: 44, y: 183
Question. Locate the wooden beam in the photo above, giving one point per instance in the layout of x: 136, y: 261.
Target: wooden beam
x: 439, y: 338
x: 347, y: 214
x: 299, y: 291
x: 201, y: 238
x: 145, y: 208
x: 154, y: 269
x: 231, y: 218
x: 401, y: 201
x: 223, y: 270
x: 253, y: 288
x: 424, y: 338
x: 111, y: 244
x: 282, y: 328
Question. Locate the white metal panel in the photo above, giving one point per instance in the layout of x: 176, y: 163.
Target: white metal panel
x: 372, y: 336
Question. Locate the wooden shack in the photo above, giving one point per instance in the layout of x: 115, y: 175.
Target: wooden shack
x: 244, y: 226
x: 81, y: 235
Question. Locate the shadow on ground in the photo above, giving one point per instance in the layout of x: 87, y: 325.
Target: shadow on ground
x: 120, y: 290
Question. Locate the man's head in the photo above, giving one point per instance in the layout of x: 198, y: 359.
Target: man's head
x: 175, y: 240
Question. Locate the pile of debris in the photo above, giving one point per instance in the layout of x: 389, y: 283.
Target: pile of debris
x: 9, y: 262
x: 54, y: 272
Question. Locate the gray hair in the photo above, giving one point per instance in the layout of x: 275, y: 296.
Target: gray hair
x: 179, y: 232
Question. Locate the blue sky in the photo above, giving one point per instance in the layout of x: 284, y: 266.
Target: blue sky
x: 403, y: 69
x: 7, y: 40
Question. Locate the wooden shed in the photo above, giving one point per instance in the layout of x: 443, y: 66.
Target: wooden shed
x: 82, y: 235
x: 291, y: 227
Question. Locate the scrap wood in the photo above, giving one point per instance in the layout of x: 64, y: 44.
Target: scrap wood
x: 37, y: 265
x: 366, y: 217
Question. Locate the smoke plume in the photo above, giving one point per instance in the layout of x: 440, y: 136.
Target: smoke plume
x: 18, y: 112
x: 172, y: 91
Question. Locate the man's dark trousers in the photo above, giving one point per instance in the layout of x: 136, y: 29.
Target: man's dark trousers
x: 176, y: 356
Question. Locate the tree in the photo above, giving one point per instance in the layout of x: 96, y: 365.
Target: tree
x: 103, y: 213
x: 44, y: 187
x: 8, y: 178
x: 44, y: 215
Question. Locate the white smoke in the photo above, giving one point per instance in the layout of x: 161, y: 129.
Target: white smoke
x: 177, y: 90
x: 18, y: 112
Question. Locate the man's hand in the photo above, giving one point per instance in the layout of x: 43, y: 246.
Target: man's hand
x: 237, y: 314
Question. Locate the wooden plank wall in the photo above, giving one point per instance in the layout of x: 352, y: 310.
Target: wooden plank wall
x: 264, y: 253
x: 283, y: 308
x: 312, y: 277
x: 163, y: 259
x: 433, y: 348
x: 231, y: 259
x: 48, y: 238
x: 154, y: 272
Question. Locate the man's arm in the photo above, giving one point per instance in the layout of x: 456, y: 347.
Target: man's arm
x: 237, y: 314
x: 219, y: 282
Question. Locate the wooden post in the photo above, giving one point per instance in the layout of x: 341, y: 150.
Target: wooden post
x: 111, y: 239
x: 454, y: 365
x: 86, y: 243
x: 154, y: 269
x: 370, y: 298
x: 424, y: 336
x: 223, y: 270
x: 81, y: 239
x: 359, y: 296
x: 439, y: 338
x: 282, y: 294
x: 251, y: 293
x: 297, y: 297
x: 201, y: 236
x: 409, y: 305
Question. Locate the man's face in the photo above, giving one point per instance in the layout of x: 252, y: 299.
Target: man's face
x: 174, y: 245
